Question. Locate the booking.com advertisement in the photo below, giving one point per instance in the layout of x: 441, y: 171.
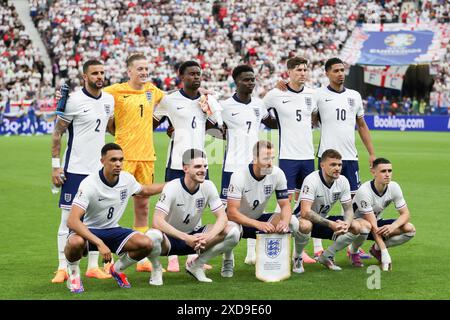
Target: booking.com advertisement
x: 408, y: 123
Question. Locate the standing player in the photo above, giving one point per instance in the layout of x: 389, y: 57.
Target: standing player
x: 133, y: 119
x: 248, y: 194
x: 339, y: 110
x: 177, y: 220
x: 293, y: 110
x: 86, y: 117
x: 242, y: 115
x: 101, y: 201
x: 189, y: 123
x: 369, y: 203
x: 320, y: 191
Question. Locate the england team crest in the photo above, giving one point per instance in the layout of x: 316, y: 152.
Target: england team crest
x: 268, y: 189
x: 256, y: 112
x: 200, y: 203
x: 148, y: 94
x: 308, y: 103
x: 67, y: 197
x: 107, y: 108
x: 273, y: 247
x: 351, y: 102
x: 336, y: 196
x: 123, y: 195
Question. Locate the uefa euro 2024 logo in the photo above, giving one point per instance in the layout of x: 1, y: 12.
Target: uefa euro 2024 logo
x: 400, y: 40
x: 273, y: 247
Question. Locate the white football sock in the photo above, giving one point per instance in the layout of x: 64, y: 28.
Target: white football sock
x: 73, y: 267
x: 317, y: 245
x: 124, y: 262
x: 63, y: 232
x: 341, y: 242
x: 399, y: 239
x: 251, y: 247
x: 93, y: 259
x: 354, y: 247
x: 300, y: 242
x: 157, y: 237
x: 228, y: 243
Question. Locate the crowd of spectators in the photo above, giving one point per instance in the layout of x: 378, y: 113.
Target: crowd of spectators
x: 22, y: 72
x: 219, y: 34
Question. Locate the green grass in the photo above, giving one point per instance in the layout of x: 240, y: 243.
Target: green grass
x: 30, y: 218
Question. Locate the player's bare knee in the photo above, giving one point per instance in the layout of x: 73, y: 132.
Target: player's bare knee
x: 76, y: 242
x: 355, y: 227
x: 409, y: 228
x: 305, y: 226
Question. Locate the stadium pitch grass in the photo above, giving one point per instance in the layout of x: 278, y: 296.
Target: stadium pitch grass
x: 30, y: 219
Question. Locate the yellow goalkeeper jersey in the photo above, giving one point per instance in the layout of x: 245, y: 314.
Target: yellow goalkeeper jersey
x: 133, y: 117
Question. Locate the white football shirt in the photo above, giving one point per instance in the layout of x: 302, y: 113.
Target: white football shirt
x: 188, y: 120
x: 243, y: 122
x: 185, y: 209
x: 338, y: 113
x: 293, y: 111
x: 105, y: 204
x: 254, y: 193
x: 368, y: 200
x: 88, y: 117
x: 323, y: 197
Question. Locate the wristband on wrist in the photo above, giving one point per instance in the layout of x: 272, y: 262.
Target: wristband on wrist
x: 56, y: 163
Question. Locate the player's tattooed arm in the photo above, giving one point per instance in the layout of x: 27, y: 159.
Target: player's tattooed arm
x: 317, y: 218
x: 60, y: 127
x: 348, y: 212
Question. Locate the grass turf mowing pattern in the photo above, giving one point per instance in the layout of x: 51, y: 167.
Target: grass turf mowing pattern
x: 30, y: 219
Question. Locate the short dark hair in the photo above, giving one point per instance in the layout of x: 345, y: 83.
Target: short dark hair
x: 331, y: 62
x: 378, y: 161
x: 261, y: 144
x: 192, y: 154
x: 134, y: 57
x: 330, y: 153
x: 110, y: 146
x: 241, y: 69
x: 186, y: 65
x: 89, y: 63
x: 295, y: 61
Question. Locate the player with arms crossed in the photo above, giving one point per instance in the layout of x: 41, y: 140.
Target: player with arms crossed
x: 242, y: 115
x: 320, y: 191
x: 101, y: 200
x: 248, y: 194
x: 177, y: 217
x: 87, y: 115
x: 339, y: 110
x: 369, y: 203
x: 134, y: 123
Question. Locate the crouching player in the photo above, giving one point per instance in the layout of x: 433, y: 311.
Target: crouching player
x: 321, y: 189
x: 369, y: 203
x: 248, y: 194
x: 101, y: 201
x: 176, y: 229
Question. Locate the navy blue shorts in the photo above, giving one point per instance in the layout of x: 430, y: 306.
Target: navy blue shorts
x: 172, y: 174
x: 114, y: 238
x: 179, y: 247
x: 295, y: 172
x: 322, y: 232
x: 226, y: 177
x: 69, y: 189
x: 250, y: 232
x: 381, y: 223
x: 350, y: 170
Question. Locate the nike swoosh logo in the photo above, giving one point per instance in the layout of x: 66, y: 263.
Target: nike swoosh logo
x: 286, y: 101
x: 85, y: 110
x: 180, y: 108
x: 319, y: 196
x: 126, y: 96
x: 326, y: 100
x: 233, y: 114
x: 245, y: 191
x: 101, y: 199
x: 180, y: 205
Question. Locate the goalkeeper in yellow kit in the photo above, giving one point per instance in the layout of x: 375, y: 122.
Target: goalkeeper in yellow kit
x: 134, y: 123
